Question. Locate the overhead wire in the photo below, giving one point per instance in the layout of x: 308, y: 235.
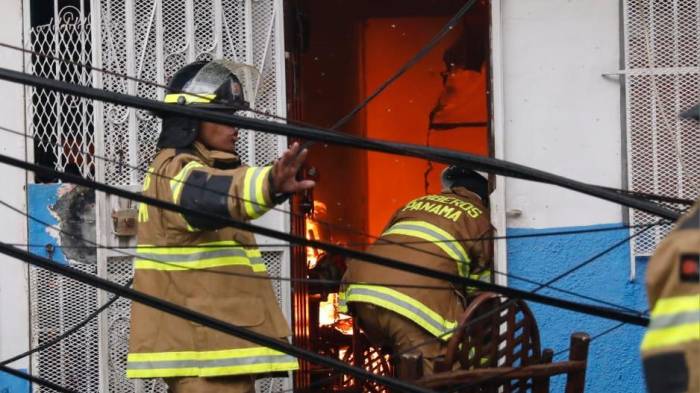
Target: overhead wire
x: 436, y: 154
x: 383, y: 241
x: 342, y: 121
x: 387, y: 84
x: 332, y: 226
x: 205, y: 320
x: 542, y: 286
x: 554, y: 233
x: 111, y: 301
x: 371, y: 258
x: 446, y: 29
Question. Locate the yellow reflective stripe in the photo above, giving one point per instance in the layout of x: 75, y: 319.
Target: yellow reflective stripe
x: 208, y: 363
x: 484, y: 276
x: 201, y: 355
x: 671, y: 336
x: 189, y: 98
x: 436, y: 235
x: 246, y: 192
x: 202, y: 256
x: 178, y: 182
x: 213, y: 371
x: 253, y: 191
x: 143, y: 208
x: 144, y: 264
x: 209, y: 246
x: 342, y: 303
x: 404, y: 305
x: 676, y: 304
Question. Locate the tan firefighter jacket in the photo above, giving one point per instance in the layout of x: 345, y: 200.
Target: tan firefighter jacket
x: 671, y: 345
x: 184, y: 260
x: 439, y: 232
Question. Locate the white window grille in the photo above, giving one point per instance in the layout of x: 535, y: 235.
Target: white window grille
x: 148, y: 40
x: 63, y: 124
x: 662, y: 78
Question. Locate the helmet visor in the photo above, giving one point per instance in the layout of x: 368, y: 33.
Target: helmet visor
x: 215, y: 80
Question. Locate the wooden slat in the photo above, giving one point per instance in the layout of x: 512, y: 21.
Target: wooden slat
x: 499, y: 374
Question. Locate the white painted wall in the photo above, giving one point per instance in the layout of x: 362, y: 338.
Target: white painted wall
x: 14, y: 313
x: 560, y: 115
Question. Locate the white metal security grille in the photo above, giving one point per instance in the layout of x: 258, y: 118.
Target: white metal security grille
x: 662, y: 77
x: 63, y: 124
x: 58, y: 304
x: 149, y: 40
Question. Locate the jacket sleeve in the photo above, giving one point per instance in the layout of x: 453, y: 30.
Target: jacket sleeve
x: 482, y: 254
x: 243, y: 193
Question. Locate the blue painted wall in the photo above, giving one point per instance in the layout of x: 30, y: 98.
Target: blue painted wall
x: 40, y: 198
x: 614, y: 362
x: 11, y: 384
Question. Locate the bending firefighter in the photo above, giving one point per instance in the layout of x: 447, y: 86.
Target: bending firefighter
x: 184, y: 259
x: 432, y: 231
x: 671, y: 345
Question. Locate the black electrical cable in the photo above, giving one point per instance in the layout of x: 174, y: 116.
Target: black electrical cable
x: 540, y: 287
x: 655, y: 197
x: 374, y: 259
x: 104, y: 307
x: 410, y: 63
x: 85, y: 321
x: 203, y: 319
x: 67, y: 333
x: 332, y: 226
x: 410, y: 242
x: 642, y: 195
x: 305, y: 280
x: 435, y: 154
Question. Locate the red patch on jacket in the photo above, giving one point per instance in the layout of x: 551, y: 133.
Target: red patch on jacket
x: 690, y: 267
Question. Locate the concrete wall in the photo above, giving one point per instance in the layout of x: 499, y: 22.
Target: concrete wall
x: 14, y: 317
x: 561, y: 116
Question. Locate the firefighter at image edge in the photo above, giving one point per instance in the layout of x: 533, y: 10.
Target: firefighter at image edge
x: 450, y: 232
x: 671, y: 346
x: 196, y: 167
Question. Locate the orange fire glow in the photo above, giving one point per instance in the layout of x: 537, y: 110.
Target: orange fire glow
x: 313, y: 232
x: 328, y: 315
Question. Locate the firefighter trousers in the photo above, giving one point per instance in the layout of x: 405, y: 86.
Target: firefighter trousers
x: 388, y: 329
x: 232, y: 384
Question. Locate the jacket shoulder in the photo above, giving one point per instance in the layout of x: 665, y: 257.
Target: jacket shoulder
x: 690, y: 220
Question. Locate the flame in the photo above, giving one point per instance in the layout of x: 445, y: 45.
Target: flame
x: 328, y: 315
x: 313, y: 232
x: 328, y: 311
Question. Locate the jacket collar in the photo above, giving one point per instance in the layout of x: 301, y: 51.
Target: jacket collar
x: 463, y: 191
x: 215, y: 158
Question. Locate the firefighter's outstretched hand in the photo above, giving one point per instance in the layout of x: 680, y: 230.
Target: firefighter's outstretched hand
x: 285, y: 170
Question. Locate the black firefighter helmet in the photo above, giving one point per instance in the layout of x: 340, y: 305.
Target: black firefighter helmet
x: 692, y: 113
x: 218, y: 85
x: 459, y: 176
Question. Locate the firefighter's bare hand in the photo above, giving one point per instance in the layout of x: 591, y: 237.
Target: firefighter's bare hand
x: 285, y: 170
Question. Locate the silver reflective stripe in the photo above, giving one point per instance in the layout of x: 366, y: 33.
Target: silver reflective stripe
x: 233, y: 252
x: 230, y: 362
x: 257, y: 261
x: 447, y: 242
x: 665, y: 321
x: 400, y: 303
x: 258, y: 206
